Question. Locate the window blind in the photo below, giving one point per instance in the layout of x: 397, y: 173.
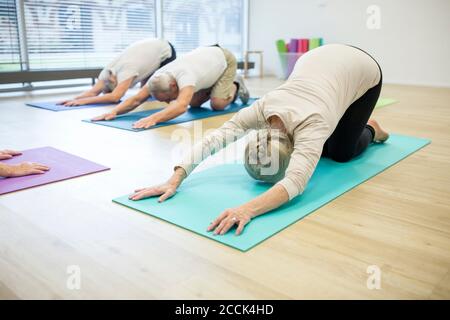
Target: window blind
x: 9, y: 37
x: 190, y: 24
x: 64, y: 34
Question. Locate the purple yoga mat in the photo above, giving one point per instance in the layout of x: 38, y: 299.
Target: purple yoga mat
x: 62, y: 165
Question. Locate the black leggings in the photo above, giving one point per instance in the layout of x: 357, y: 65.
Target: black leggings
x: 172, y: 57
x: 352, y: 134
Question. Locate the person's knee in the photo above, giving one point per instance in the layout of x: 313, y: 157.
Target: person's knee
x: 341, y: 156
x: 218, y: 103
x: 196, y: 102
x: 199, y: 98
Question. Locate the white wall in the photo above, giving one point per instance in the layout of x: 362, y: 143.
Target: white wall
x: 412, y: 45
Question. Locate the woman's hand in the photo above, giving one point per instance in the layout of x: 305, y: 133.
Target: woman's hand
x: 27, y: 168
x: 269, y: 200
x: 145, y: 123
x: 165, y: 190
x: 107, y: 116
x: 73, y: 103
x: 238, y: 216
x: 8, y: 154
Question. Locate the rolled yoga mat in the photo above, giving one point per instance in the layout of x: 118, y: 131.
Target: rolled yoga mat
x: 292, y: 56
x: 303, y: 45
x: 54, y: 106
x: 383, y: 102
x: 62, y: 166
x: 281, y: 46
x: 206, y: 194
x: 314, y: 43
x: 126, y: 121
x: 282, y: 50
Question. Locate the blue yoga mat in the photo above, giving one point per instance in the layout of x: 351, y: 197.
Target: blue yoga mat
x: 54, y: 106
x: 126, y: 121
x: 206, y: 194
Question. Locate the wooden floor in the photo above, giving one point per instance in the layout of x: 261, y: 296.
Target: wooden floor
x: 398, y: 220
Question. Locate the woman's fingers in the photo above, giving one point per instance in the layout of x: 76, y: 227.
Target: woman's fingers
x: 221, y: 226
x: 137, y: 125
x: 169, y: 193
x: 4, y: 156
x: 41, y: 167
x: 8, y: 154
x: 11, y: 152
x: 217, y: 221
x: 72, y: 103
x: 38, y: 165
x: 227, y: 225
x: 227, y: 220
x: 165, y: 191
x: 145, y: 193
x: 140, y: 195
x: 106, y: 116
x: 36, y: 171
x: 240, y: 227
x: 143, y: 123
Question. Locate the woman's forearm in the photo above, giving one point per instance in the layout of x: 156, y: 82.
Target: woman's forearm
x: 269, y: 200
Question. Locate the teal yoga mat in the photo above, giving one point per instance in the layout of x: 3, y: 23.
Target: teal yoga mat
x: 126, y: 121
x: 206, y: 194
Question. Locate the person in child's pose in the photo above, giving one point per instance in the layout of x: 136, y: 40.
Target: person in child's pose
x: 323, y: 109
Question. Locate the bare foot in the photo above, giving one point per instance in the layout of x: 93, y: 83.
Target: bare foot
x: 380, y: 134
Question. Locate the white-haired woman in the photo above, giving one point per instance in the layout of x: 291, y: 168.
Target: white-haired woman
x: 323, y: 109
x: 135, y: 64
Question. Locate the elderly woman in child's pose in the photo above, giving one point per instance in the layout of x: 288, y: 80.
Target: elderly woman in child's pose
x: 323, y: 109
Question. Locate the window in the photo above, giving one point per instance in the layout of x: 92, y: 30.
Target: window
x: 190, y: 24
x: 68, y: 34
x: 9, y: 37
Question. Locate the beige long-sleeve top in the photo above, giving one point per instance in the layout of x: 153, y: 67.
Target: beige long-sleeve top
x: 139, y: 60
x: 323, y: 84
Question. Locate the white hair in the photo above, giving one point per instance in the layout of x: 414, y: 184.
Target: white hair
x: 160, y: 82
x: 267, y: 155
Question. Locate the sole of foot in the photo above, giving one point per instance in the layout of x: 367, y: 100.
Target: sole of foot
x: 243, y: 92
x: 380, y: 134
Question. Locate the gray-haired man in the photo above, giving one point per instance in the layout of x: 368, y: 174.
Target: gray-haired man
x: 135, y: 64
x: 206, y: 73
